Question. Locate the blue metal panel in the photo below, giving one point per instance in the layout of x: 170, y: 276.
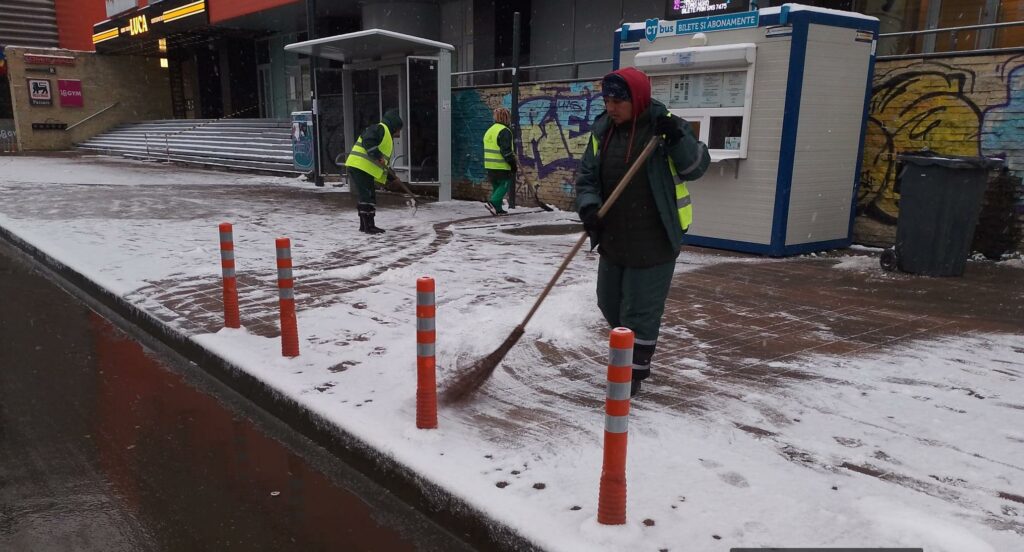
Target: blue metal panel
x: 731, y: 245
x: 801, y: 248
x: 790, y: 123
x: 616, y: 43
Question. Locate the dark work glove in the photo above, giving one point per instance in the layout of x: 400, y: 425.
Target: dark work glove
x: 592, y: 224
x: 670, y: 128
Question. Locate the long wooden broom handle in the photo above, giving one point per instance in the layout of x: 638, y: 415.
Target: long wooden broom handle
x: 619, y: 188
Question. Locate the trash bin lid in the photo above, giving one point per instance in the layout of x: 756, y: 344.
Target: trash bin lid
x: 952, y: 161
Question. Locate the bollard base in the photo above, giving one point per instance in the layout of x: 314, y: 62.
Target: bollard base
x: 611, y: 502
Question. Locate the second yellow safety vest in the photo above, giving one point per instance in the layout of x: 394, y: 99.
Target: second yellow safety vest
x: 360, y: 159
x: 493, y: 159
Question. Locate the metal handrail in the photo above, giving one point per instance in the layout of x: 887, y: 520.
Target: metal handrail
x: 951, y: 53
x: 109, y: 107
x: 167, y: 135
x: 481, y: 71
x: 529, y: 67
x: 954, y: 29
x: 953, y: 35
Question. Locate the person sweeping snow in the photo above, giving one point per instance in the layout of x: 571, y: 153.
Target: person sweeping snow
x: 368, y: 164
x: 640, y: 236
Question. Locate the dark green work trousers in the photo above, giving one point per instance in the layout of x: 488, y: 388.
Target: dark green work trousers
x: 634, y: 298
x: 499, y: 187
x: 365, y: 190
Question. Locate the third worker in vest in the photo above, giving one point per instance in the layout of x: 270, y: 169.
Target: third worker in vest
x: 368, y: 164
x: 499, y: 159
x: 641, y: 235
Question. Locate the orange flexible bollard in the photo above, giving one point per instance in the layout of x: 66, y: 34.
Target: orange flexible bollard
x: 227, y: 268
x: 611, y: 501
x: 286, y: 293
x: 426, y: 366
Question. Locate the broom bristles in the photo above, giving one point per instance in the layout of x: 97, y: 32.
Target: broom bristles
x: 467, y: 382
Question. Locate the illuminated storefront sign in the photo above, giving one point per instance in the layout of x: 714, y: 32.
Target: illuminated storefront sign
x: 158, y: 19
x: 137, y: 25
x: 685, y: 9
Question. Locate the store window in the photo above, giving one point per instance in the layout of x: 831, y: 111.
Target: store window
x: 913, y: 15
x: 1009, y: 37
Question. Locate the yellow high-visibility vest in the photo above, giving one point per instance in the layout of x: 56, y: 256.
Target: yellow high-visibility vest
x: 493, y: 159
x: 683, y: 204
x: 360, y: 159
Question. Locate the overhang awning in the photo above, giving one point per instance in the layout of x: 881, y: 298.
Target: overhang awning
x: 371, y: 44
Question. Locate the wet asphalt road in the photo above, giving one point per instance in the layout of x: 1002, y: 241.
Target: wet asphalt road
x: 109, y: 445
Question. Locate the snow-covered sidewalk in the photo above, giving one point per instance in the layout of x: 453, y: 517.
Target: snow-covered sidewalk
x: 812, y: 401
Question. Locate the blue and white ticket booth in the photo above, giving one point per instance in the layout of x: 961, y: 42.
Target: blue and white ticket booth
x: 780, y: 97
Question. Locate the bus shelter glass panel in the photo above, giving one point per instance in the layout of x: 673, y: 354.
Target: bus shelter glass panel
x: 423, y: 121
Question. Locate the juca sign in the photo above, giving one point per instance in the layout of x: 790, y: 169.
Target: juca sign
x: 70, y: 93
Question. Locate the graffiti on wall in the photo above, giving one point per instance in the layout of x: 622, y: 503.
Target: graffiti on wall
x: 555, y: 127
x: 1002, y: 131
x: 967, y: 107
x: 554, y: 119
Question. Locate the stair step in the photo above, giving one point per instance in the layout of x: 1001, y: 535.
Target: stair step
x: 283, y: 168
x: 213, y: 141
x: 254, y: 155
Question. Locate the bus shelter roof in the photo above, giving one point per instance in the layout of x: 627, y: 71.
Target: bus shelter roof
x: 366, y: 45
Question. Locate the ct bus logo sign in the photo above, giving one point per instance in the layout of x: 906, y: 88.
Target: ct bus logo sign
x: 651, y: 29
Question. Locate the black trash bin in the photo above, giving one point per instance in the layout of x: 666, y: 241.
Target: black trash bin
x: 940, y: 198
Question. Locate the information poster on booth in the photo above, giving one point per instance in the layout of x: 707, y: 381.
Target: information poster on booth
x: 701, y: 90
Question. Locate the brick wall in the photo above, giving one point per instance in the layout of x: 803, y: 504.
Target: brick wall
x: 139, y: 85
x: 968, y: 105
x: 555, y: 121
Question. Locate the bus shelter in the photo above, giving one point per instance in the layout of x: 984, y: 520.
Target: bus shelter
x: 383, y: 69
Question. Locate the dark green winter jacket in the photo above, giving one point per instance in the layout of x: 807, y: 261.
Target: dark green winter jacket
x: 688, y: 155
x: 373, y: 135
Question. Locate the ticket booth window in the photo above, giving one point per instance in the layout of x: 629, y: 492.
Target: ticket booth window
x: 716, y: 102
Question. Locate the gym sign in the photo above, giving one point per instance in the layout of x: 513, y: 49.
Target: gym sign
x: 157, y: 19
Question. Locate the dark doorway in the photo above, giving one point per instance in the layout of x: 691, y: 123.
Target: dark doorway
x: 211, y: 101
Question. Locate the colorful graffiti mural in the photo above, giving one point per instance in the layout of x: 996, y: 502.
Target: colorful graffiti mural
x: 554, y: 120
x: 962, y: 106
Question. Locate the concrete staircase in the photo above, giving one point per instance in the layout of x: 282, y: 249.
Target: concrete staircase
x: 249, y: 144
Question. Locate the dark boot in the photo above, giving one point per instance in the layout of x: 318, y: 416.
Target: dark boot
x: 642, y: 354
x: 371, y: 227
x: 362, y: 222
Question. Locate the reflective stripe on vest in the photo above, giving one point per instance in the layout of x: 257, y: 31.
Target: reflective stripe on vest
x: 360, y: 159
x: 683, y: 204
x: 493, y: 159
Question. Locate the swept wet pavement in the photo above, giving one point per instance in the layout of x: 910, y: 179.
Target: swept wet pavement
x: 106, y: 444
